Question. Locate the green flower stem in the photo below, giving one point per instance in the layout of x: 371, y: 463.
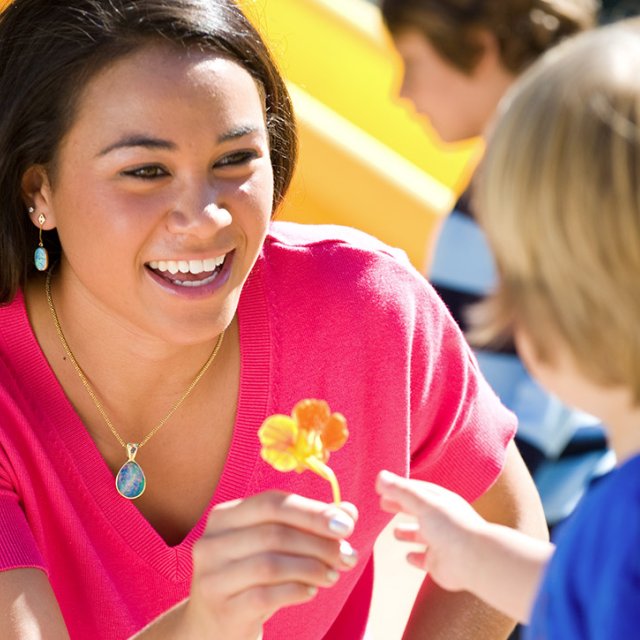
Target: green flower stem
x: 327, y: 473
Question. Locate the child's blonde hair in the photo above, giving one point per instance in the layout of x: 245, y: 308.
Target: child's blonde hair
x: 559, y: 197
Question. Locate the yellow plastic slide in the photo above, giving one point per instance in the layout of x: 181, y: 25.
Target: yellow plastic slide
x: 366, y: 160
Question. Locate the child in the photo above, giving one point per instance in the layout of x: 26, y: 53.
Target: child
x: 559, y: 197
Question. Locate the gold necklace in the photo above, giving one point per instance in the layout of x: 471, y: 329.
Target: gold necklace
x: 130, y: 481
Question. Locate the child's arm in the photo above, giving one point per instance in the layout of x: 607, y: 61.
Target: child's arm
x: 463, y: 551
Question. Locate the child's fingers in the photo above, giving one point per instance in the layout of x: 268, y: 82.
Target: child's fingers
x: 408, y: 532
x: 412, y: 497
x: 390, y: 506
x: 417, y: 559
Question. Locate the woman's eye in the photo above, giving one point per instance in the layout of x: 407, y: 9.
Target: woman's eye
x: 149, y: 172
x: 236, y: 158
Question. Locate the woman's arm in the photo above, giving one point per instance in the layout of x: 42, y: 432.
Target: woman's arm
x: 456, y: 613
x: 256, y: 556
x: 29, y: 608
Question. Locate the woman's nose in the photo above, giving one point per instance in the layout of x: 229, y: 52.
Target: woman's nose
x: 200, y: 214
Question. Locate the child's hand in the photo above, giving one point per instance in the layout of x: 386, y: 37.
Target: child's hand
x: 446, y: 524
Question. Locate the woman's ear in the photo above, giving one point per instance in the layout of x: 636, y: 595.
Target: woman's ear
x: 37, y: 196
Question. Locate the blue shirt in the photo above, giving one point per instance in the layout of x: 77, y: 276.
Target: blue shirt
x: 591, y: 589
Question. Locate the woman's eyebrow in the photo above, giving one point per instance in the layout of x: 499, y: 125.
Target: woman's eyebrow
x: 238, y: 132
x: 138, y: 141
x: 148, y: 142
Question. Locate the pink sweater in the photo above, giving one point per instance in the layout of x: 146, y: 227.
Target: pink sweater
x: 327, y: 313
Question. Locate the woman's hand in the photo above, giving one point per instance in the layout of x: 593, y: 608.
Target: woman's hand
x: 263, y: 553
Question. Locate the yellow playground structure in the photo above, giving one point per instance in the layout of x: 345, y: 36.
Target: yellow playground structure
x: 365, y: 159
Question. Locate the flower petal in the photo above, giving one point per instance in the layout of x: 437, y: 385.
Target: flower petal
x: 278, y: 431
x: 304, y: 440
x: 280, y: 460
x: 335, y: 432
x: 278, y: 435
x: 310, y: 414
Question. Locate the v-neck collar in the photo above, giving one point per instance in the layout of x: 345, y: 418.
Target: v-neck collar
x: 91, y: 470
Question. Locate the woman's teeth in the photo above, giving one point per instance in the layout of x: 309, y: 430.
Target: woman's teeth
x: 187, y: 266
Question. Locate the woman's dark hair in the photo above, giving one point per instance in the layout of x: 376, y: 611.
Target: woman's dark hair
x: 50, y: 49
x: 523, y: 29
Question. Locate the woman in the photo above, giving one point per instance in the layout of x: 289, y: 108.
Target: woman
x: 163, y: 317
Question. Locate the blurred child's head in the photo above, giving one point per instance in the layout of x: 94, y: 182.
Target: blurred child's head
x: 558, y: 195
x: 461, y: 55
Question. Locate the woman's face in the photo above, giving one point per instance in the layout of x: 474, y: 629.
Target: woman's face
x: 162, y: 192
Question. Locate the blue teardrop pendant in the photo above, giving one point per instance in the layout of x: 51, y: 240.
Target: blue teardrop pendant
x: 130, y: 481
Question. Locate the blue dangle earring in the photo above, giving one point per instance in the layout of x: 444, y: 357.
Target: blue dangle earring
x: 41, y: 255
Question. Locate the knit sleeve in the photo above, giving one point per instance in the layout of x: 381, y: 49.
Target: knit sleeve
x: 460, y: 430
x: 18, y: 548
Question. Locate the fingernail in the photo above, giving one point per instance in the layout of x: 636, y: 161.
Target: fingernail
x: 340, y: 523
x: 348, y: 554
x: 312, y: 591
x: 332, y: 576
x: 385, y: 477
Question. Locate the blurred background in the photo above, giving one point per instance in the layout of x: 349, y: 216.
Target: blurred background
x: 366, y: 160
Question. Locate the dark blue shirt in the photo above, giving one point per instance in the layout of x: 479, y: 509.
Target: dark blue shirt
x: 591, y: 589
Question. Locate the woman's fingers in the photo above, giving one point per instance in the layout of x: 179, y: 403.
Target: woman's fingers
x: 278, y: 523
x: 270, y: 599
x: 234, y: 545
x: 263, y: 553
x: 267, y: 570
x: 274, y: 547
x: 289, y: 509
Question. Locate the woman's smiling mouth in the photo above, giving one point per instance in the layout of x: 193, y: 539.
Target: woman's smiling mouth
x: 188, y: 273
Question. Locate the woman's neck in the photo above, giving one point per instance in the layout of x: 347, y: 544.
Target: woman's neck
x: 121, y: 364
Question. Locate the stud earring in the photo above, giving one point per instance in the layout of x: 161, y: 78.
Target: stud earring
x: 41, y: 255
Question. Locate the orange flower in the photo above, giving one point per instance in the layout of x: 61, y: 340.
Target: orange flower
x: 304, y: 439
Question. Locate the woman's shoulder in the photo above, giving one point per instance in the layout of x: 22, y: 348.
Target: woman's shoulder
x: 341, y: 257
x: 13, y: 317
x: 339, y: 262
x: 321, y: 238
x: 333, y: 265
